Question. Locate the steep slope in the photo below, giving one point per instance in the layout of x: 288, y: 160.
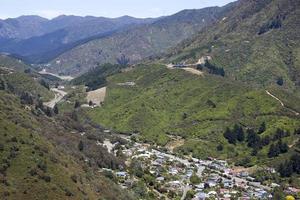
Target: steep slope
x: 39, y: 39
x: 37, y: 163
x: 139, y: 42
x: 47, y: 163
x: 257, y: 42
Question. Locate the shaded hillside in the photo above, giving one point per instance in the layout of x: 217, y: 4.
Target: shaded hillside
x: 257, y: 42
x: 38, y: 39
x: 139, y: 42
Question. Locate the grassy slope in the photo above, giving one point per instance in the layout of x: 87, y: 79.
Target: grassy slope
x: 234, y: 43
x: 12, y: 63
x: 21, y: 82
x: 29, y: 149
x: 156, y: 106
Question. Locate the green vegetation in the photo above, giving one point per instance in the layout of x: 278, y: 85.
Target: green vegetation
x: 35, y: 164
x: 12, y: 63
x: 137, y: 43
x: 173, y: 102
x: 96, y: 77
x: 257, y: 43
x: 19, y: 83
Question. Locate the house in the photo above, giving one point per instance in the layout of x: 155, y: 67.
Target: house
x: 189, y: 173
x: 211, y: 183
x: 274, y: 185
x: 200, y: 186
x: 174, y: 184
x: 293, y: 190
x: 201, y: 196
x: 212, y: 193
x: 160, y: 179
x: 121, y: 174
x: 228, y: 183
x: 173, y: 171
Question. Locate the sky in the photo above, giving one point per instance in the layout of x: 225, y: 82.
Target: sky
x: 106, y: 8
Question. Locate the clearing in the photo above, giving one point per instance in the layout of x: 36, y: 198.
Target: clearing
x: 97, y: 96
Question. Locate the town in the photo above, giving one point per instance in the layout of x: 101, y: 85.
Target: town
x: 169, y: 176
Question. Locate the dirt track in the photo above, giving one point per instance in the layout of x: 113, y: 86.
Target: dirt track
x: 282, y: 104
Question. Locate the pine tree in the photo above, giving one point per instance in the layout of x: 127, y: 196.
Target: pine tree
x: 77, y: 104
x: 253, y: 138
x: 55, y: 110
x: 80, y: 146
x: 262, y: 128
x: 239, y: 133
x: 274, y: 151
x: 230, y: 136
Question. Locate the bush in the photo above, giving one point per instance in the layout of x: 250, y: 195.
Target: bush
x: 74, y: 178
x: 1, y: 147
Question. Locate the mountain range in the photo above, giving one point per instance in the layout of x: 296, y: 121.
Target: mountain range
x: 37, y: 39
x: 212, y: 83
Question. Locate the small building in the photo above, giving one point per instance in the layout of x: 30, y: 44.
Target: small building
x: 121, y: 174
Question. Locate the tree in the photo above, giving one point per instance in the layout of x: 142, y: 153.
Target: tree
x: 274, y: 151
x: 262, y: 128
x: 283, y: 147
x: 253, y: 138
x: 286, y: 169
x: 49, y: 112
x: 45, y: 84
x: 239, y: 132
x: 123, y: 61
x: 80, y: 145
x: 77, y: 104
x: 220, y: 147
x: 230, y: 136
x: 295, y: 161
x: 195, y: 179
x: 280, y: 81
x: 55, y: 109
x: 211, y: 104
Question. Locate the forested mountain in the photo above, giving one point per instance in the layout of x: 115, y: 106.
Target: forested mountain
x: 53, y: 163
x: 38, y: 39
x: 257, y: 42
x: 139, y: 42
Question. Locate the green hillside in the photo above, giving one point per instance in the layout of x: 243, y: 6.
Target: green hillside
x: 96, y: 77
x: 20, y: 83
x: 34, y: 165
x: 12, y: 63
x: 165, y: 102
x: 256, y: 42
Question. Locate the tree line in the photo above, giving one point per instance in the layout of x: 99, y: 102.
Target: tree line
x: 255, y: 141
x: 212, y: 69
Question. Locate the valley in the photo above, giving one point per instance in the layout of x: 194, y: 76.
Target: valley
x: 200, y: 104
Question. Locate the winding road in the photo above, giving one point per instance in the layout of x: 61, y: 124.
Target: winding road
x: 59, y: 95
